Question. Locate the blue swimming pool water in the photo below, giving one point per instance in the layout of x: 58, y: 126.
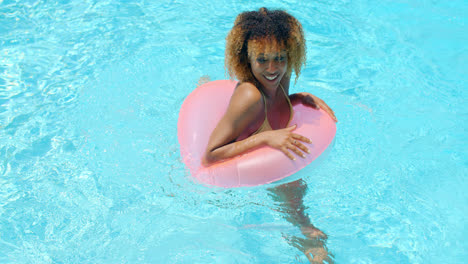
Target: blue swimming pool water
x: 89, y: 164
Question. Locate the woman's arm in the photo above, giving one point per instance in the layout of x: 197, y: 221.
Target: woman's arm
x: 312, y: 101
x: 246, y: 106
x: 281, y: 139
x: 307, y: 99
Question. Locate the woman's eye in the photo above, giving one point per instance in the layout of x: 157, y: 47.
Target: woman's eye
x: 261, y: 60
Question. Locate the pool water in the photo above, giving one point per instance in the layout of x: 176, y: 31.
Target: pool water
x: 90, y: 170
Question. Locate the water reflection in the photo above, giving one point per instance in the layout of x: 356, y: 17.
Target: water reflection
x: 289, y: 198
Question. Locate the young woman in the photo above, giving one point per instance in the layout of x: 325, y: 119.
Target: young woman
x: 262, y: 50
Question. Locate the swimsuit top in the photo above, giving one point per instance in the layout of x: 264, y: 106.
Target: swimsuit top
x: 266, y: 125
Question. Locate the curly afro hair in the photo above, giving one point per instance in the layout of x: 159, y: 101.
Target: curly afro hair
x: 263, y: 31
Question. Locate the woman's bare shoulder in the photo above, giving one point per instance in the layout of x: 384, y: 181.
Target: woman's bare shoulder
x: 247, y: 92
x: 246, y: 100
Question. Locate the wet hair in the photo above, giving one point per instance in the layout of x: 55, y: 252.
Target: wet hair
x: 263, y: 31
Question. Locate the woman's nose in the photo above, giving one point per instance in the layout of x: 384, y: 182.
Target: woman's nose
x: 272, y: 66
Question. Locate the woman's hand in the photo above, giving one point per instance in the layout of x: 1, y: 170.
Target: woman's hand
x: 311, y: 100
x: 286, y: 141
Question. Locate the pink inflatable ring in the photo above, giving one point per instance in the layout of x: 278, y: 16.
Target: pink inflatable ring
x: 200, y: 113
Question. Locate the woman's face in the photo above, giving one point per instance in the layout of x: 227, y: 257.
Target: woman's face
x: 269, y: 68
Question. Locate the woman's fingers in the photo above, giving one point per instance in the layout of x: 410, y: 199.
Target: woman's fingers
x: 293, y: 143
x: 308, y: 100
x: 332, y: 114
x: 319, y: 103
x: 294, y: 149
x: 296, y: 146
x: 287, y: 153
x: 301, y: 147
x: 300, y: 137
x: 327, y: 109
x: 291, y: 128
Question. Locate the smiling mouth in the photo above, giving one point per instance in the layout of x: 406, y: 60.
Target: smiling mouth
x: 271, y: 78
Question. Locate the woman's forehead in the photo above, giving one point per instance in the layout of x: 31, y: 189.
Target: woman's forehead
x: 265, y: 47
x: 271, y: 54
